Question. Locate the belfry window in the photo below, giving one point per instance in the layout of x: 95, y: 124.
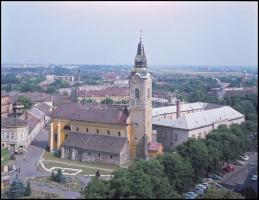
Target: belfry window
x: 137, y: 94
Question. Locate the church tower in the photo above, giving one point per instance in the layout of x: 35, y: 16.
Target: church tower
x: 140, y: 104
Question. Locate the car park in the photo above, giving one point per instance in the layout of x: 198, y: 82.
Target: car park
x: 254, y: 178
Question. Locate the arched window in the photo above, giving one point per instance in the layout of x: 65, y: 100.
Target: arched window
x: 148, y: 93
x: 97, y: 131
x: 67, y: 128
x: 119, y: 133
x: 137, y: 94
x: 108, y: 132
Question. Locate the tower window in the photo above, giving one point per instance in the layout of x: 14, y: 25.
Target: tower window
x: 119, y: 133
x: 97, y: 131
x: 77, y: 129
x: 137, y: 94
x: 148, y: 93
x: 89, y: 153
x: 108, y: 132
x: 55, y: 137
x: 99, y: 155
x: 111, y: 156
x: 87, y: 130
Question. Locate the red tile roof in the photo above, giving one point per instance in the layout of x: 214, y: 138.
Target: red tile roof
x: 153, y: 146
x: 100, y: 113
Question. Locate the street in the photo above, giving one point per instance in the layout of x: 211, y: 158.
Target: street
x: 240, y: 178
x: 28, y: 167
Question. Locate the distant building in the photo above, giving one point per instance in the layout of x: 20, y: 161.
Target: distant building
x: 6, y: 105
x: 115, y: 93
x: 36, y: 97
x: 65, y: 78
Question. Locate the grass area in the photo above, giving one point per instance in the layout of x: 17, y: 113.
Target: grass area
x: 50, y: 156
x: 5, y: 157
x: 85, y: 170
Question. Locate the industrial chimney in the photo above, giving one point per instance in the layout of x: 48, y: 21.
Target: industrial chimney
x: 178, y: 108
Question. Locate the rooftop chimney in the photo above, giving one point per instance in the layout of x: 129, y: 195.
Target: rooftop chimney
x: 178, y: 108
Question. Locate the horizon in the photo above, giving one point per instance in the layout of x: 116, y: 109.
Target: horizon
x: 179, y: 34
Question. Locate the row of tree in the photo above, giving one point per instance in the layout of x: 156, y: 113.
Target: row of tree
x: 175, y: 172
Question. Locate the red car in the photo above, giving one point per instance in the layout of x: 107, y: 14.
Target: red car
x: 229, y: 168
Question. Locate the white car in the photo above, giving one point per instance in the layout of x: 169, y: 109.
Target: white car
x: 202, y: 186
x: 239, y: 162
x: 244, y: 157
x: 254, y: 178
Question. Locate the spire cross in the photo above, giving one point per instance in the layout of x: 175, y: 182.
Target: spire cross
x: 140, y: 35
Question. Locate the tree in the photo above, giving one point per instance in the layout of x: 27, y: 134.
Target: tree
x: 51, y: 89
x: 196, y: 151
x: 178, y: 170
x: 97, y: 189
x: 16, y: 189
x: 221, y: 194
x: 28, y: 189
x: 60, y: 177
x: 107, y: 100
x: 25, y: 101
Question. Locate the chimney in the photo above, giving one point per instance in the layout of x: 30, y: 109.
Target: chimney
x: 178, y: 108
x: 154, y: 136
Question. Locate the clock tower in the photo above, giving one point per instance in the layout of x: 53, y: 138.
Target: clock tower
x: 140, y: 104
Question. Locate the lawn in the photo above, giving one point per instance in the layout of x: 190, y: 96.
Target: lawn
x: 50, y: 156
x: 85, y: 170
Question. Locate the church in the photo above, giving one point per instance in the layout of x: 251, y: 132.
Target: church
x: 108, y: 133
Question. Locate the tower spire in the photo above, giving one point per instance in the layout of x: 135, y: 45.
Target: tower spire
x: 140, y: 37
x: 140, y: 59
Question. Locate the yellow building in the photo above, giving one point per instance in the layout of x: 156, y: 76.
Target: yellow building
x: 108, y: 133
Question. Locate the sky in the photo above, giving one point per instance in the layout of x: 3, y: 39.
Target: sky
x: 174, y: 33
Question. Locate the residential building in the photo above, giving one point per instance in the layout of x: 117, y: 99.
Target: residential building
x: 14, y: 134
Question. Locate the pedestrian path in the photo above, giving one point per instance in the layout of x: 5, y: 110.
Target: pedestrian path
x: 78, y: 165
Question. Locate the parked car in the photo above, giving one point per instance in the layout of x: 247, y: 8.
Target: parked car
x: 215, y: 177
x: 199, y: 190
x: 206, y: 185
x: 254, y: 178
x: 207, y: 180
x: 190, y: 195
x: 244, y: 157
x: 239, y: 162
x: 228, y: 168
x: 202, y: 186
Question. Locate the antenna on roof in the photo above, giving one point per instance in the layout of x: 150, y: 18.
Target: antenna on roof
x: 140, y: 35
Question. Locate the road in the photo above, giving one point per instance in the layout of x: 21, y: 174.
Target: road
x: 240, y: 178
x: 28, y: 168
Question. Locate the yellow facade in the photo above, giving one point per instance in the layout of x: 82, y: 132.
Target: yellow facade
x: 58, y: 132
